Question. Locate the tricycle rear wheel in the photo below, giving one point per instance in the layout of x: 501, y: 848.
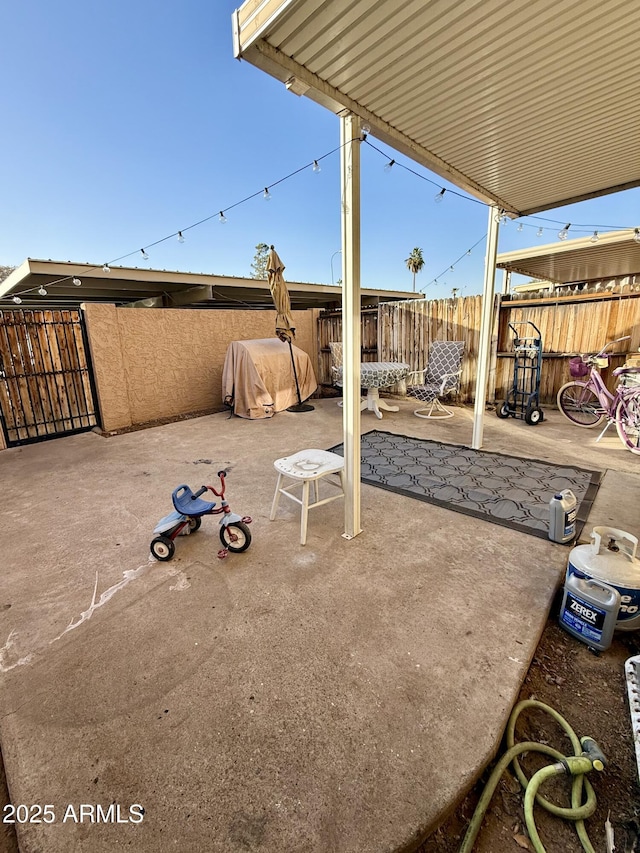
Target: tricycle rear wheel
x: 163, y: 548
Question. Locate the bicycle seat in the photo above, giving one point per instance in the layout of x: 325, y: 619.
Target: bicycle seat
x: 187, y: 503
x: 623, y: 371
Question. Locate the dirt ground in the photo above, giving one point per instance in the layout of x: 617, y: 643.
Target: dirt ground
x: 590, y: 692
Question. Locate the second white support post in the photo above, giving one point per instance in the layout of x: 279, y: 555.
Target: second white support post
x: 484, y: 350
x: 350, y: 221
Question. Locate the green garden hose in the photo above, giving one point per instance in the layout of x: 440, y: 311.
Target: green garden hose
x: 586, y: 756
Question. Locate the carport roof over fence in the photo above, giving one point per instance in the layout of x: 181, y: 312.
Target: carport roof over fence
x: 614, y: 254
x: 150, y: 288
x: 527, y: 106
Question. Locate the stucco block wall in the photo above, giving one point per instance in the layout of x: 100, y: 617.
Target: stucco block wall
x: 158, y: 363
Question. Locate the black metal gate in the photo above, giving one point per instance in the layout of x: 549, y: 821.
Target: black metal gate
x: 46, y: 382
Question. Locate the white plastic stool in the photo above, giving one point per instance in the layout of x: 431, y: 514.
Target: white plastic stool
x: 306, y: 467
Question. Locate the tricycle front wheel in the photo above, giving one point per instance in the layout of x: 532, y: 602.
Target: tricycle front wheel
x: 236, y: 536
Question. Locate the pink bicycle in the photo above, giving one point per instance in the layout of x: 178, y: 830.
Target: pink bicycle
x: 588, y: 402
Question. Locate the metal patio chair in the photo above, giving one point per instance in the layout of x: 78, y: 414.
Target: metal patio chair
x: 335, y: 348
x: 440, y: 377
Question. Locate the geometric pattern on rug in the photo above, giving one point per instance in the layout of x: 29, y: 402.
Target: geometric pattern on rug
x: 506, y: 490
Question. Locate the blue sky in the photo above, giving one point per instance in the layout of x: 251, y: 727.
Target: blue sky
x: 126, y: 122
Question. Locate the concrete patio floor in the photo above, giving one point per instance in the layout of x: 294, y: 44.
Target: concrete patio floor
x: 340, y: 696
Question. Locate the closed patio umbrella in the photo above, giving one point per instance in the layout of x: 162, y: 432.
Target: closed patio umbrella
x: 285, y: 329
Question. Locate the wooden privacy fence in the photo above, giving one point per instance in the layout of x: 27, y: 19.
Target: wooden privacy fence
x: 402, y: 331
x: 569, y: 326
x: 330, y: 330
x: 407, y: 329
x: 45, y: 378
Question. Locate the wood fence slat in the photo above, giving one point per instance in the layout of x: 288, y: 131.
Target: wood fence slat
x: 18, y: 385
x: 48, y: 410
x: 34, y: 414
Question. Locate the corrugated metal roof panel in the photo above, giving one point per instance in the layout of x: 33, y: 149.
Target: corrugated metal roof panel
x: 530, y: 105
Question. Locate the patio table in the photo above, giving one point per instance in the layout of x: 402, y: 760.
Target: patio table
x: 375, y: 375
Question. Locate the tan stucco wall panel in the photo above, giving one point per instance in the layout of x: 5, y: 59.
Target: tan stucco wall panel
x: 105, y: 346
x: 158, y: 363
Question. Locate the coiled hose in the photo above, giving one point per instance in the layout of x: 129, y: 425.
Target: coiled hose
x: 586, y: 756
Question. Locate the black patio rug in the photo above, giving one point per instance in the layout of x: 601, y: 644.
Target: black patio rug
x: 506, y: 490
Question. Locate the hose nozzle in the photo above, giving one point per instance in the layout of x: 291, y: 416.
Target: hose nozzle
x: 592, y: 751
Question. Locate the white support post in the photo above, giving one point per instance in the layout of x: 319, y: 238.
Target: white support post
x: 350, y: 220
x: 484, y: 350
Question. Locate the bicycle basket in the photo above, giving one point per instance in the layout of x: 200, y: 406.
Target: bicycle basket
x: 577, y: 367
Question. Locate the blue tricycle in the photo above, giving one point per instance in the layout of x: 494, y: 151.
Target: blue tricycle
x: 187, y: 518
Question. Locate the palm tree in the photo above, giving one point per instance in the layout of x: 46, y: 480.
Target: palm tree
x: 414, y: 263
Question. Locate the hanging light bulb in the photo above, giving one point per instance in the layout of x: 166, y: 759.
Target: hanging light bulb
x: 636, y: 235
x: 439, y: 196
x: 266, y: 194
x: 366, y: 128
x: 17, y: 300
x: 520, y: 226
x: 144, y: 254
x: 106, y: 268
x: 76, y: 282
x: 389, y: 166
x: 539, y: 232
x: 42, y: 290
x: 468, y: 251
x: 451, y: 268
x: 498, y: 216
x: 595, y: 237
x: 222, y: 218
x: 565, y: 231
x: 316, y: 167
x: 180, y: 237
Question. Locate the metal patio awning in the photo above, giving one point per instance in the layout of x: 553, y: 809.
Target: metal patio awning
x: 526, y: 105
x: 151, y: 288
x: 615, y: 254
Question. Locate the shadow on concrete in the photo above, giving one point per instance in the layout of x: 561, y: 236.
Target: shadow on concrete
x: 340, y: 696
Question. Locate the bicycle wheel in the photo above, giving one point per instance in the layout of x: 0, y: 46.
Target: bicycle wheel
x: 579, y: 404
x: 628, y: 422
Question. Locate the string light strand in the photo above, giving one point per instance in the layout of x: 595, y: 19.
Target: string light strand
x: 450, y: 267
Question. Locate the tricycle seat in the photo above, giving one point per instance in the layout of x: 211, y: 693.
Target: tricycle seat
x: 188, y: 504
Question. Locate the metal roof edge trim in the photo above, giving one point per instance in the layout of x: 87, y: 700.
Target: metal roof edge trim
x: 14, y: 278
x: 612, y: 238
x: 68, y: 269
x: 628, y: 185
x: 259, y: 26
